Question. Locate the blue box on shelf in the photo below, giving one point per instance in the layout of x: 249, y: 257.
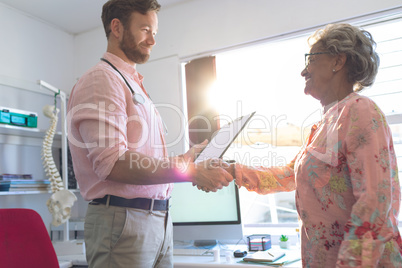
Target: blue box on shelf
x: 18, y: 117
x: 259, y: 242
x: 5, y: 186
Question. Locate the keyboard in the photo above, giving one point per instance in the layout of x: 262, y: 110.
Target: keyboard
x: 192, y: 252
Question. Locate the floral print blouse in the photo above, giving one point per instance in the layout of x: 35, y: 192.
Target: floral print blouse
x: 347, y: 188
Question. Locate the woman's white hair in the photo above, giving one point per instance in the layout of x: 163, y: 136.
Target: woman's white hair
x: 358, y: 45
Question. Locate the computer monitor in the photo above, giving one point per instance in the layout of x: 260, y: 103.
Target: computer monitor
x: 205, y: 217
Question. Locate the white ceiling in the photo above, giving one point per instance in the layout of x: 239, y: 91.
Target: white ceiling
x: 72, y: 16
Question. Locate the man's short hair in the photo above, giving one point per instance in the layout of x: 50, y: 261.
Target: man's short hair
x: 122, y: 10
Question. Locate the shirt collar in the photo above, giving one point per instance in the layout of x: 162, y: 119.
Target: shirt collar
x: 123, y: 66
x: 338, y: 103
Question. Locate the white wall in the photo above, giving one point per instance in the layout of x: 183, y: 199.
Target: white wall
x: 199, y: 26
x: 205, y: 25
x: 88, y: 48
x: 32, y: 50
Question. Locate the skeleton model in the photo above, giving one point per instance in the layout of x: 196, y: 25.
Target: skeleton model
x: 62, y: 200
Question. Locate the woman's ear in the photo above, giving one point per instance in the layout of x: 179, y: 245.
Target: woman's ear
x: 340, y: 61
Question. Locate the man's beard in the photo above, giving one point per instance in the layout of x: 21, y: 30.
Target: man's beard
x: 130, y: 48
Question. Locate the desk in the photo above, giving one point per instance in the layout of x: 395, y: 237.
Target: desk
x: 208, y: 261
x: 68, y: 261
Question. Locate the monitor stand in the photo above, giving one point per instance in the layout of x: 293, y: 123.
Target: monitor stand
x: 205, y: 243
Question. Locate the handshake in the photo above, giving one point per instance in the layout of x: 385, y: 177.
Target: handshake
x: 209, y: 175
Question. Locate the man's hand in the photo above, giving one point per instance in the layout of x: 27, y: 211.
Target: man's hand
x: 210, y: 175
x: 194, y: 151
x: 231, y: 168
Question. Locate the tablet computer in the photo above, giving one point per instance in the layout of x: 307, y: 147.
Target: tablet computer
x: 223, y: 138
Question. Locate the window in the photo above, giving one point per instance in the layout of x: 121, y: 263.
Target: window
x: 266, y: 77
x: 387, y: 90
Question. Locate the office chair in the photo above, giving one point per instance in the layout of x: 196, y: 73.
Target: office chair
x: 24, y: 240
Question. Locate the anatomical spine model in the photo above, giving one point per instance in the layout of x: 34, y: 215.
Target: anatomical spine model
x: 61, y: 201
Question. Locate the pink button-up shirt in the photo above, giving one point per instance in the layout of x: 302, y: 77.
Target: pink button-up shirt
x: 103, y: 123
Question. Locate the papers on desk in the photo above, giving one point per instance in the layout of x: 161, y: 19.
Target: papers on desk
x: 271, y: 257
x: 265, y: 256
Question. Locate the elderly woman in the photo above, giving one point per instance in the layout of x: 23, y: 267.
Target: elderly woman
x: 346, y: 176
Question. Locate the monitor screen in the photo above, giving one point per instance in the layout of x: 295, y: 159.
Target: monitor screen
x: 197, y: 215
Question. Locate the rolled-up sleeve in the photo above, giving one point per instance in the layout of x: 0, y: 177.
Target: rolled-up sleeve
x: 100, y: 121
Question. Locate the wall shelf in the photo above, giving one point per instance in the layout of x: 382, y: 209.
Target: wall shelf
x: 31, y: 192
x: 26, y: 136
x: 25, y: 132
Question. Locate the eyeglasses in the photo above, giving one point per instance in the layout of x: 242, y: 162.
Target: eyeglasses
x: 307, y: 57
